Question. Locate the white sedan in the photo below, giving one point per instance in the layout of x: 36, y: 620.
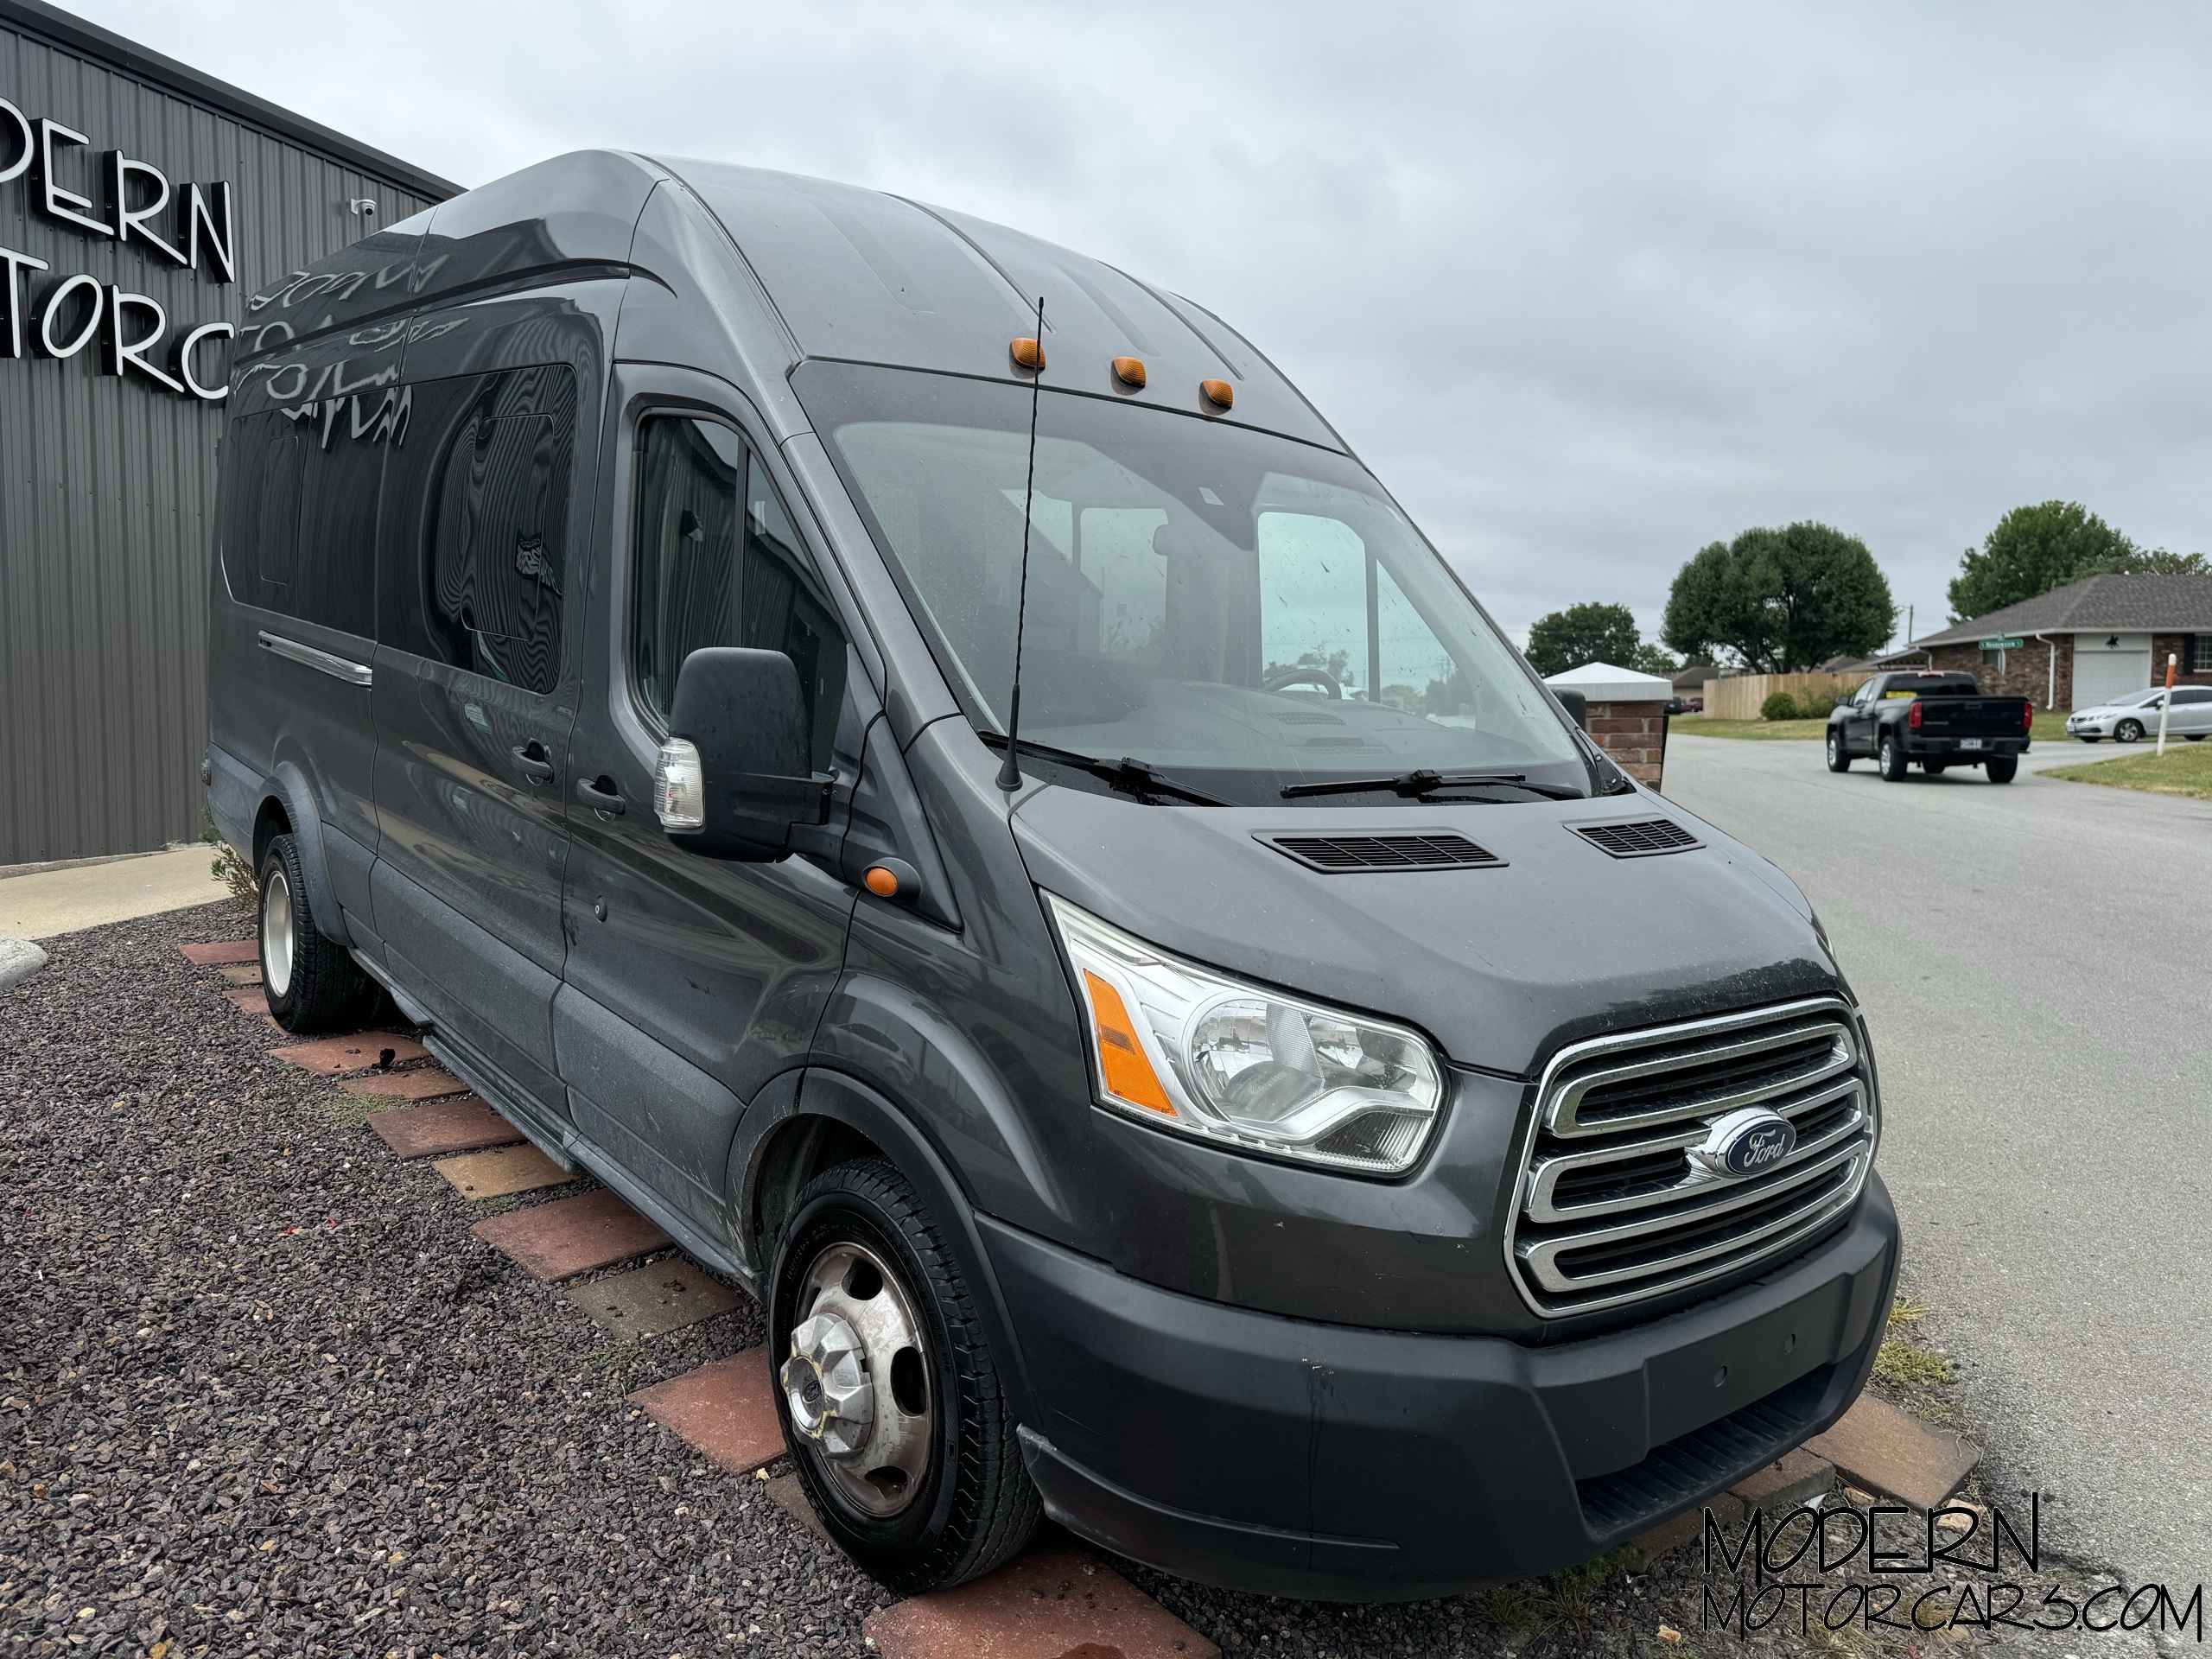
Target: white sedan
x: 2135, y: 717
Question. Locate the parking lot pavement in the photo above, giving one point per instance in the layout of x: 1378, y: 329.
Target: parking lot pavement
x: 2033, y: 961
x: 51, y: 902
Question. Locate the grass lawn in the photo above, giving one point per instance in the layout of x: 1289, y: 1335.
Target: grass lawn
x: 2186, y: 770
x: 2051, y: 728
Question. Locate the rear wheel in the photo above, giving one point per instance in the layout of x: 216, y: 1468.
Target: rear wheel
x: 2128, y: 731
x: 2001, y: 767
x: 311, y: 982
x: 1839, y: 757
x: 1894, y: 760
x: 887, y: 1387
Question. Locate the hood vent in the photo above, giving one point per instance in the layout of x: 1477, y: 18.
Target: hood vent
x: 1644, y: 840
x: 1422, y: 849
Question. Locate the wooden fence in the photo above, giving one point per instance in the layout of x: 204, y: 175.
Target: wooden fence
x: 1738, y: 697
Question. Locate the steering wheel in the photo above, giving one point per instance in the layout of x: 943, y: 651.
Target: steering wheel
x: 1284, y: 678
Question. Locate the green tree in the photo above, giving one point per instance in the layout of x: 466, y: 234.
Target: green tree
x: 1649, y: 660
x: 2034, y: 549
x: 2147, y: 561
x: 1779, y: 601
x: 1583, y: 634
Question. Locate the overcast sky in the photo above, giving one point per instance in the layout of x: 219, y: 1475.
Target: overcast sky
x: 1588, y: 287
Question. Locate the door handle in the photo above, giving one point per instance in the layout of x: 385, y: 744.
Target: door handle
x: 602, y: 796
x: 535, y: 764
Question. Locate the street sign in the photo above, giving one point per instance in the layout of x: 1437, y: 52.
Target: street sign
x: 2001, y: 645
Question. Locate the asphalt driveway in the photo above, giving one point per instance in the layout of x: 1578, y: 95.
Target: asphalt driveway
x: 2034, y: 960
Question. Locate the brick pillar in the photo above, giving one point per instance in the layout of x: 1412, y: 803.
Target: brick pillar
x: 1634, y: 734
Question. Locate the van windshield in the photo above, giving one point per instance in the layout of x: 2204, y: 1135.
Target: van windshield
x: 1236, y: 610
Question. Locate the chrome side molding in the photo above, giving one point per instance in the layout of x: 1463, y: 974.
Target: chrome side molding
x: 324, y: 662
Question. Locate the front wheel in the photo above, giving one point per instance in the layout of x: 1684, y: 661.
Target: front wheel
x: 311, y: 982
x: 2001, y: 768
x: 1894, y: 760
x: 2128, y: 731
x: 1839, y: 757
x: 888, y: 1391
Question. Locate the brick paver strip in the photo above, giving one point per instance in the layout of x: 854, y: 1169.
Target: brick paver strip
x: 335, y: 1056
x: 1879, y: 1447
x: 250, y: 999
x: 444, y: 1127
x: 651, y: 1300
x: 724, y: 1411
x: 566, y: 1236
x: 223, y: 951
x: 423, y: 1083
x: 1046, y: 1604
x: 505, y: 1170
x: 1792, y: 1480
x: 242, y: 972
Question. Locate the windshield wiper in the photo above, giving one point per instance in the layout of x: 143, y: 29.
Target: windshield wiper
x: 1128, y: 774
x: 1425, y: 782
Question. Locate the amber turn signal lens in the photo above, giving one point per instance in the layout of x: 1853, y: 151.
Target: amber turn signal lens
x: 1219, y: 393
x: 883, y: 883
x: 1129, y: 371
x: 1129, y: 1075
x: 1027, y: 353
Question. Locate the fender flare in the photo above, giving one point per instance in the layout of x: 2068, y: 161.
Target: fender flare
x: 823, y: 1093
x: 288, y: 786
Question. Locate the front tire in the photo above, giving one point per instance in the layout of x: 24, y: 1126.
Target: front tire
x: 910, y: 1455
x: 2128, y: 731
x: 1894, y: 760
x: 1839, y: 757
x: 2002, y: 768
x: 312, y: 983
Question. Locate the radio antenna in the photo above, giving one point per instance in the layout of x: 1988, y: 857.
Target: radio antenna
x: 1010, y: 768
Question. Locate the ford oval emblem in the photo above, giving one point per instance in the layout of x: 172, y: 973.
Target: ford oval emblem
x: 1746, y: 1142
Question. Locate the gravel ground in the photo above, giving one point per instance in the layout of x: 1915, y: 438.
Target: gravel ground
x: 261, y: 1392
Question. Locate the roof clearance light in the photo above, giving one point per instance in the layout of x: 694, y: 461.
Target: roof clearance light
x: 1219, y: 393
x: 1027, y: 354
x: 1129, y: 371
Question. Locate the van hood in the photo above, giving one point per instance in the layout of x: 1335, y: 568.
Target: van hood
x: 1499, y: 964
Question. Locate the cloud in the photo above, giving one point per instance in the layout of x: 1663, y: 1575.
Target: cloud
x: 1588, y: 286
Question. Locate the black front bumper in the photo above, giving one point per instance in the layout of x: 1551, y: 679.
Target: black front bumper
x: 1290, y: 1458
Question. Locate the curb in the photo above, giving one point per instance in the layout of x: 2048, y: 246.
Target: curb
x: 19, y: 960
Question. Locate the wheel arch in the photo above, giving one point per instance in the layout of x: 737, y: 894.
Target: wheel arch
x: 831, y: 1118
x: 287, y: 807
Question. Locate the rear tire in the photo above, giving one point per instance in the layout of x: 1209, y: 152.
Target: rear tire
x: 1894, y: 760
x: 2001, y: 767
x: 1839, y: 757
x: 968, y: 1505
x: 312, y: 983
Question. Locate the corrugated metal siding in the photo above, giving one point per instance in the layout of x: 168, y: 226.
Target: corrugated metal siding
x: 107, y: 487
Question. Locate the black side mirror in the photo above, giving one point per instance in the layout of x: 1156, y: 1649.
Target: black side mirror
x: 733, y: 779
x: 1577, y: 706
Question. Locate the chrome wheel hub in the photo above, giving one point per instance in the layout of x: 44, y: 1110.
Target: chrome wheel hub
x: 276, y: 933
x: 857, y: 1380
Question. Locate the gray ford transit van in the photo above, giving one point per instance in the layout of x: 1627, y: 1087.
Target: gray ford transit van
x: 1312, y: 1124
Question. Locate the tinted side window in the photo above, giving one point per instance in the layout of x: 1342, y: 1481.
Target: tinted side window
x: 718, y: 563
x: 782, y: 606
x: 261, y: 507
x: 475, y: 542
x: 334, y: 577
x: 686, y: 586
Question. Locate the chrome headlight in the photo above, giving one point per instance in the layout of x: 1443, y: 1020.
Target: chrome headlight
x: 1184, y: 1048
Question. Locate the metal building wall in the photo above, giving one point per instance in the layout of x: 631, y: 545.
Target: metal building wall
x: 107, y: 485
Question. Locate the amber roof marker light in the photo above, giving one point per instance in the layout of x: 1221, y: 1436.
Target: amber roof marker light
x: 1027, y: 354
x: 1219, y: 393
x: 1129, y: 371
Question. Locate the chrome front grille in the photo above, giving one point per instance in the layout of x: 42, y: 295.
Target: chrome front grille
x: 1612, y: 1207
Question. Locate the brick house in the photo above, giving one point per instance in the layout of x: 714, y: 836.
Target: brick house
x: 2076, y: 646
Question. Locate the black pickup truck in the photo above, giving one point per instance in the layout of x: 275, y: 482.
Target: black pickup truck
x: 1937, y: 720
